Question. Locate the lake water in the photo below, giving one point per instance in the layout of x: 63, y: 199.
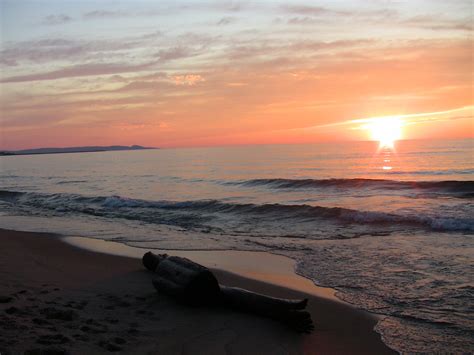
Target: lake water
x: 391, y: 230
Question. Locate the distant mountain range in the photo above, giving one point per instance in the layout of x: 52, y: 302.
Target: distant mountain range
x: 73, y: 150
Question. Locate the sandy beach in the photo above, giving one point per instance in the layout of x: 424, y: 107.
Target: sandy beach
x: 57, y: 298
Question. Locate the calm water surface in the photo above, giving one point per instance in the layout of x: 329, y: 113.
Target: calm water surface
x: 392, y: 230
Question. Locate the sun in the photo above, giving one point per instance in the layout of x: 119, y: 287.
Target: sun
x: 386, y: 130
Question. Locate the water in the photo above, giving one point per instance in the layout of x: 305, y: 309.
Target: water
x: 392, y: 231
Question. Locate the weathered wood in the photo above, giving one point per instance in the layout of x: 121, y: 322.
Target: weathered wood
x: 151, y: 260
x: 284, y: 310
x: 182, y: 278
x: 252, y: 301
x: 194, y: 284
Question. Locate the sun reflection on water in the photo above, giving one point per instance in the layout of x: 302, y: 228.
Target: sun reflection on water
x: 386, y: 153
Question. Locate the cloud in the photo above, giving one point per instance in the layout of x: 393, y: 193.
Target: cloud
x: 323, y: 45
x: 79, y: 71
x: 40, y: 51
x: 189, y: 79
x: 283, y: 52
x: 307, y: 14
x: 160, y: 81
x: 408, y: 119
x: 225, y: 6
x: 231, y: 6
x: 97, y: 14
x: 437, y: 23
x: 308, y: 10
x: 57, y: 49
x: 302, y: 20
x: 144, y: 86
x: 167, y: 8
x: 226, y: 21
x: 127, y: 126
x: 56, y: 19
x: 165, y: 55
x: 452, y: 27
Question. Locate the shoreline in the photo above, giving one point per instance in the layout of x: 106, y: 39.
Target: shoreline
x: 115, y: 305
x: 274, y: 269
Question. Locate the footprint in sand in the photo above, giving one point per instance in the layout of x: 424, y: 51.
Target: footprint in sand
x: 6, y: 299
x: 108, y: 345
x: 52, y: 339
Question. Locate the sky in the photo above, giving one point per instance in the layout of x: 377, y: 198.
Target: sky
x: 203, y: 73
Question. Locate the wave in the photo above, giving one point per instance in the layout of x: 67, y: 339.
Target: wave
x: 449, y: 186
x: 64, y: 182
x: 10, y: 195
x: 202, y: 213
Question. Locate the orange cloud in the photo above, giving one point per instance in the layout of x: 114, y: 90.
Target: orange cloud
x: 189, y: 79
x: 205, y: 89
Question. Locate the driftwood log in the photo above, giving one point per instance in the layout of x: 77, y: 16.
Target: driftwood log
x: 183, y: 279
x: 194, y: 284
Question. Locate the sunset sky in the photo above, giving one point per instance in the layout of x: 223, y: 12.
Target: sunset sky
x: 194, y: 73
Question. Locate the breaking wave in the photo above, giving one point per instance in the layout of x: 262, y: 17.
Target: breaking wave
x: 200, y: 212
x: 456, y: 188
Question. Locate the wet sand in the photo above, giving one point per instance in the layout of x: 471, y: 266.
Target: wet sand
x: 56, y: 298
